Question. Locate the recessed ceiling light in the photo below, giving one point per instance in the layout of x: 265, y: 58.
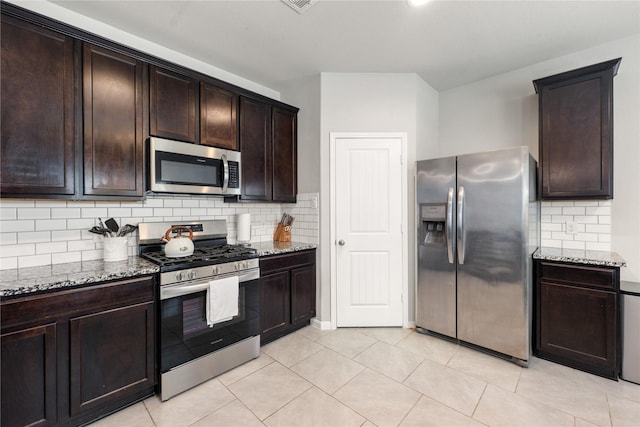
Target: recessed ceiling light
x: 416, y: 3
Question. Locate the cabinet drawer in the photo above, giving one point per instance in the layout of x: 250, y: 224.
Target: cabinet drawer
x: 589, y: 276
x: 287, y: 261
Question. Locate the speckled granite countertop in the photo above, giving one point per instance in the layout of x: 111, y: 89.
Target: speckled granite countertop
x: 579, y: 256
x: 275, y: 248
x: 18, y: 282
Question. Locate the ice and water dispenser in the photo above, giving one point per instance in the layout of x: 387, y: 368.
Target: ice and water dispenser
x: 433, y: 224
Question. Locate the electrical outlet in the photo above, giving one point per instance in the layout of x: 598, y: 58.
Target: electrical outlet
x: 314, y: 203
x: 571, y: 228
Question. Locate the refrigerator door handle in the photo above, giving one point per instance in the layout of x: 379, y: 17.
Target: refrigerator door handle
x: 460, y: 225
x: 449, y: 226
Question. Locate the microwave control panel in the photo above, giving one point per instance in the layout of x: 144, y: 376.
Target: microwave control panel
x: 234, y: 174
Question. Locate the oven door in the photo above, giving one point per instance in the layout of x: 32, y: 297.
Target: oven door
x: 185, y: 335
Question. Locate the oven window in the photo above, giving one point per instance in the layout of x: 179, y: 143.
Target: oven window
x: 193, y: 315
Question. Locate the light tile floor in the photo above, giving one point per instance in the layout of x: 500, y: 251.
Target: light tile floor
x: 389, y: 377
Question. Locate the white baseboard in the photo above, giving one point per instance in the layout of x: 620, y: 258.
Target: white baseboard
x: 325, y: 326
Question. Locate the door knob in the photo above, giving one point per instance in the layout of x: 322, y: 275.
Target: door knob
x: 341, y: 242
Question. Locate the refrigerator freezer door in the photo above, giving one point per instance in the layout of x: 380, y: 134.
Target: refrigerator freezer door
x: 493, y: 287
x: 436, y: 289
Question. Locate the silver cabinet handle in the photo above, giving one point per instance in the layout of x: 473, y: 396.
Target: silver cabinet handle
x: 449, y: 226
x: 341, y: 242
x: 460, y: 229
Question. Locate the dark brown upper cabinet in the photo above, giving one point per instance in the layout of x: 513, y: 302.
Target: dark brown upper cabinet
x: 256, y: 147
x: 218, y: 124
x: 576, y: 133
x: 38, y: 106
x: 268, y: 141
x: 181, y: 111
x: 113, y: 124
x: 285, y: 156
x: 173, y: 100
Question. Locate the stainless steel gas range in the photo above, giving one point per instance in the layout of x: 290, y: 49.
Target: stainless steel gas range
x: 192, y: 347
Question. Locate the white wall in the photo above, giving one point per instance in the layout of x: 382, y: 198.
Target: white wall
x: 352, y: 102
x: 305, y: 94
x: 502, y: 111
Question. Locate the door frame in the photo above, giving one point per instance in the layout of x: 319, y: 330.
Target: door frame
x: 333, y: 137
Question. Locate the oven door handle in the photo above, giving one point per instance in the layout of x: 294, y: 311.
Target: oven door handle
x: 172, y: 291
x: 167, y: 292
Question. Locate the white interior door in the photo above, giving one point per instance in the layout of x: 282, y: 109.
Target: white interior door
x: 368, y: 231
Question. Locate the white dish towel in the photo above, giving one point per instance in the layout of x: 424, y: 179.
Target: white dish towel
x: 222, y: 300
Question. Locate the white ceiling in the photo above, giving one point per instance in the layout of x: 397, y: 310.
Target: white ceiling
x: 447, y: 43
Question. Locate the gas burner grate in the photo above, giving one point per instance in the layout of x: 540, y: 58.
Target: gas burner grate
x: 201, y: 254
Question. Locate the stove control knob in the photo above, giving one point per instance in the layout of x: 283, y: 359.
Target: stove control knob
x: 191, y: 274
x: 179, y: 276
x: 215, y: 269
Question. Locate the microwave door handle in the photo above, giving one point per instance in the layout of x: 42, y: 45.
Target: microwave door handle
x: 225, y: 173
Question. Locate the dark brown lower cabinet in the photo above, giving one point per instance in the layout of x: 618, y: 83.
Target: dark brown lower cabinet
x: 288, y: 293
x: 577, y: 316
x: 73, y: 356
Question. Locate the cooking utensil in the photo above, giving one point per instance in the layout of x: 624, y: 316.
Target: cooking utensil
x: 179, y: 245
x: 99, y: 230
x: 112, y: 224
x: 126, y: 229
x: 104, y: 228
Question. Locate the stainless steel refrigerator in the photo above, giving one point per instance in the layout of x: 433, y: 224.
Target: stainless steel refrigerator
x: 478, y: 222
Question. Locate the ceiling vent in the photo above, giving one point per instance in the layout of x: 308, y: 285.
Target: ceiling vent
x: 299, y: 6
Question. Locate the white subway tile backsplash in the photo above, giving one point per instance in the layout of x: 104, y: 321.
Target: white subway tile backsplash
x: 598, y: 228
x: 8, y: 263
x: 93, y: 212
x: 51, y: 224
x: 573, y: 210
x: 61, y: 258
x: 51, y: 204
x: 34, y: 213
x: 51, y: 247
x: 34, y: 237
x: 8, y: 239
x: 592, y: 220
x: 593, y: 246
x: 8, y: 214
x: 66, y: 235
x: 34, y: 260
x: 57, y: 231
x: 18, y: 226
x: 573, y: 245
x: 66, y: 213
x: 599, y: 210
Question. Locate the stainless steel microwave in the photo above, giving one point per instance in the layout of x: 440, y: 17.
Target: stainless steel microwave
x: 180, y: 167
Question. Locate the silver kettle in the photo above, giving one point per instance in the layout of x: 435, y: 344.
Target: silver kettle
x: 178, y: 245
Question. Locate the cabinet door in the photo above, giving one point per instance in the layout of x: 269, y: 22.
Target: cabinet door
x: 285, y: 187
x: 218, y: 124
x: 275, y: 311
x: 577, y: 327
x: 29, y: 377
x: 111, y: 356
x: 38, y: 107
x: 113, y: 135
x: 173, y: 100
x: 576, y: 133
x: 256, y: 148
x: 303, y: 294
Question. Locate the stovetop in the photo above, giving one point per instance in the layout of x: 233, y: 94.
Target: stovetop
x: 207, y: 255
